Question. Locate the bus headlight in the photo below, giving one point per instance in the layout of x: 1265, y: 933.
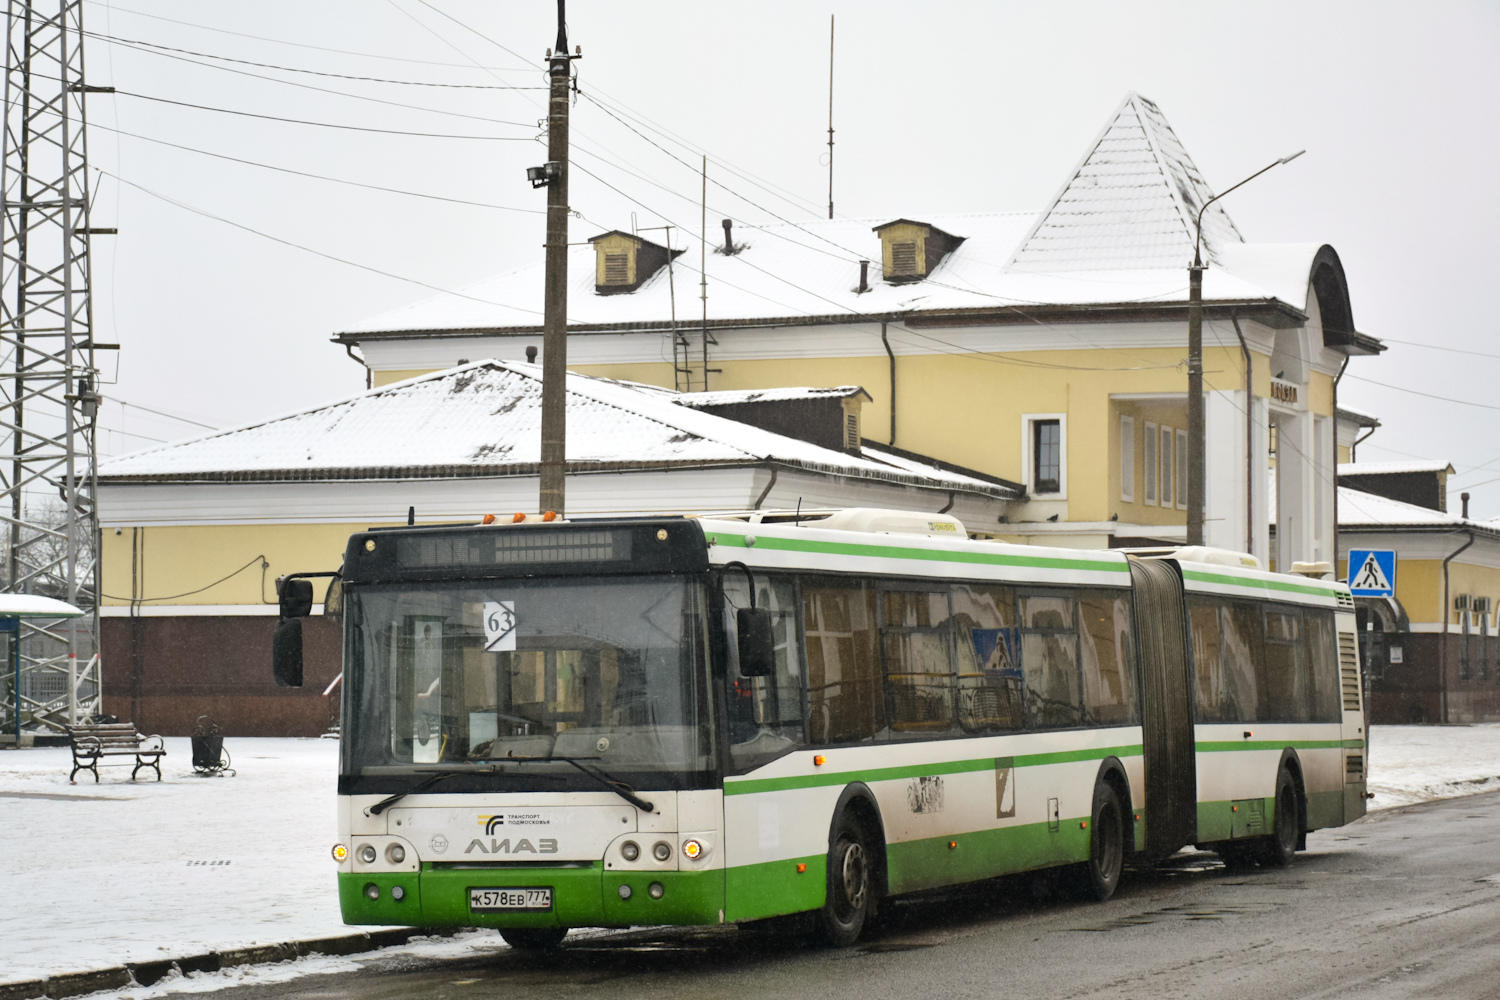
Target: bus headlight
x: 367, y: 854
x: 340, y: 853
x: 630, y: 850
x: 692, y: 850
x: 395, y: 854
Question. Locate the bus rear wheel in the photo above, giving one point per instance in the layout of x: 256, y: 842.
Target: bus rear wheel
x: 1106, y: 844
x: 1281, y: 846
x: 534, y: 938
x: 850, y: 884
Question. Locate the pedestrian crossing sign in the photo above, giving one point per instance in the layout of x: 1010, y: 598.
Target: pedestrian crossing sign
x: 1372, y: 572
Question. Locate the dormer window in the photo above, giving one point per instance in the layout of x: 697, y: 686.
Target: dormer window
x: 910, y: 251
x: 623, y: 262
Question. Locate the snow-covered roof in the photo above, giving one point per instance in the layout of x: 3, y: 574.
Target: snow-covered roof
x: 1394, y: 468
x: 35, y: 606
x: 1131, y: 203
x: 484, y: 419
x: 1119, y: 232
x: 1358, y: 509
x: 1357, y: 416
x: 730, y: 397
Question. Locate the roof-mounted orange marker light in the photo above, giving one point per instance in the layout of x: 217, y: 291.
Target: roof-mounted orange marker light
x: 550, y: 515
x: 488, y: 519
x: 517, y: 518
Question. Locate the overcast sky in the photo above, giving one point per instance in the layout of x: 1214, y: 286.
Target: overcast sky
x: 939, y: 107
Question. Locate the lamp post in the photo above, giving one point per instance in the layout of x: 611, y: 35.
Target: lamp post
x: 1195, y: 475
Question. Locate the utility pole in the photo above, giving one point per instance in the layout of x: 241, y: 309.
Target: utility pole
x: 1196, y: 424
x: 830, y: 116
x: 555, y: 309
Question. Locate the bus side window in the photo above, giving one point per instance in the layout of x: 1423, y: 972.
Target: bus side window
x: 1323, y: 665
x: 1284, y: 695
x: 765, y: 713
x: 988, y: 658
x: 846, y: 700
x: 916, y: 642
x: 1241, y: 657
x: 1049, y: 660
x: 1107, y: 639
x: 1206, y: 634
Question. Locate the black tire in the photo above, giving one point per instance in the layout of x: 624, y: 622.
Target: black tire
x: 1281, y: 846
x: 1237, y: 855
x: 534, y: 938
x: 851, y: 884
x: 1106, y: 844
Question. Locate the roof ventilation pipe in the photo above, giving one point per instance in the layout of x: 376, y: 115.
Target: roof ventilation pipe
x: 531, y: 355
x: 864, y: 278
x: 1465, y: 498
x: 729, y: 248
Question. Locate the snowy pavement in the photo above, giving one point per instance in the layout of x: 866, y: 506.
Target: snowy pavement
x: 192, y: 864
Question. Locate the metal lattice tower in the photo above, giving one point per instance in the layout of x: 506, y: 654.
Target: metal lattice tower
x: 48, y: 400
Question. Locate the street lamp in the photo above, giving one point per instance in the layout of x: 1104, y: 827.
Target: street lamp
x: 1195, y: 474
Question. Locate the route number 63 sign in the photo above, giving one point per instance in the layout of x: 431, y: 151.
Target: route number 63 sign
x: 499, y: 626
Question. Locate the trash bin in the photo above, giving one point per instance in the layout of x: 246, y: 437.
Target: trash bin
x: 209, y: 755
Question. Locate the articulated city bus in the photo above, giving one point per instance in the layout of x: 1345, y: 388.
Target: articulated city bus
x: 710, y: 720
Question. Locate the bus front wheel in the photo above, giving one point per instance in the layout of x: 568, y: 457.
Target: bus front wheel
x: 850, y: 884
x: 534, y: 938
x: 1106, y: 844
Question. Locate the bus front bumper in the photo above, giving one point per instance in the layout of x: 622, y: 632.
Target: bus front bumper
x: 581, y: 897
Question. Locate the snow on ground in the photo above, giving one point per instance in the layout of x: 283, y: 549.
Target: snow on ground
x: 194, y: 864
x: 1418, y: 763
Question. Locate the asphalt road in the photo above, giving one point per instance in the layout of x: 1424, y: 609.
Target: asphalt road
x: 1405, y: 903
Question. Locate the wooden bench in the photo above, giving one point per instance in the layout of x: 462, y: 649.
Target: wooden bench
x: 120, y: 739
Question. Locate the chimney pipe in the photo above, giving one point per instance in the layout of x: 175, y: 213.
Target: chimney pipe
x: 864, y: 277
x: 729, y: 248
x: 531, y: 355
x: 1465, y: 498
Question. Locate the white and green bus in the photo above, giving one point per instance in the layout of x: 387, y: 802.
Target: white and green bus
x: 717, y: 720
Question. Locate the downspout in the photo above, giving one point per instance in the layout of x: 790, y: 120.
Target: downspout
x: 369, y: 375
x: 951, y: 499
x: 1359, y: 441
x: 1249, y: 439
x: 1443, y: 649
x: 892, y: 355
x: 1335, y: 454
x: 767, y: 491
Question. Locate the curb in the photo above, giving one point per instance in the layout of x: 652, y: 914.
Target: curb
x: 146, y: 973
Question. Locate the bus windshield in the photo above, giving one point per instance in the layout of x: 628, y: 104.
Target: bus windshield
x: 610, y: 669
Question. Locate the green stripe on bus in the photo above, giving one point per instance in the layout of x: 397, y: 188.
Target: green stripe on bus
x: 1221, y: 746
x: 931, y: 555
x: 753, y: 785
x: 1237, y: 581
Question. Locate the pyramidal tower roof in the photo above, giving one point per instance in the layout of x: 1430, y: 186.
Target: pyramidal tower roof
x: 1129, y: 205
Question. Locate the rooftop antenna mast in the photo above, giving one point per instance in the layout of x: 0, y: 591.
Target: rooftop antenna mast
x: 830, y: 116
x: 48, y: 390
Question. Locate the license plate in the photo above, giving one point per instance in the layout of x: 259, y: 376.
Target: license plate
x: 509, y: 900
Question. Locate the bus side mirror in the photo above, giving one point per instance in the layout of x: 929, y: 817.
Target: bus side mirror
x: 757, y: 645
x: 286, y: 650
x: 296, y: 598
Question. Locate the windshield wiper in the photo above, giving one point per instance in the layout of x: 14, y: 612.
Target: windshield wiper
x: 620, y: 788
x: 433, y: 777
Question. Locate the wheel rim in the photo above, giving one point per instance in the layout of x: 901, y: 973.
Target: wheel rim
x: 853, y: 878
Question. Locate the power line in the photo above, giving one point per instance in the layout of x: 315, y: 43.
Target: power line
x: 1435, y: 347
x: 306, y: 249
x: 303, y: 121
x: 321, y: 177
x: 153, y: 48
x: 1428, y: 395
x: 163, y: 413
x: 112, y: 8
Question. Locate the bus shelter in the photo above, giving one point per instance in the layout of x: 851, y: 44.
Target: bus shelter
x: 14, y: 608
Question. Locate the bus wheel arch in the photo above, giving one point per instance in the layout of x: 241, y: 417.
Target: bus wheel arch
x: 1291, y: 765
x: 856, y: 812
x: 1110, y: 833
x: 1113, y: 772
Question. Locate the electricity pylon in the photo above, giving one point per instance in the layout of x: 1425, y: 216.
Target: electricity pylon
x: 48, y: 379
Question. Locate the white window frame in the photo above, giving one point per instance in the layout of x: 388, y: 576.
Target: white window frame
x: 1027, y: 433
x: 1127, y: 459
x: 1166, y: 490
x: 1149, y: 465
x: 1179, y: 458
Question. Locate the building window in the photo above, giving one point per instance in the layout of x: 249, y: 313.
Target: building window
x: 1127, y: 459
x: 1182, y: 464
x: 904, y: 257
x: 1046, y: 456
x: 1165, y: 451
x: 1149, y: 465
x: 616, y: 269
